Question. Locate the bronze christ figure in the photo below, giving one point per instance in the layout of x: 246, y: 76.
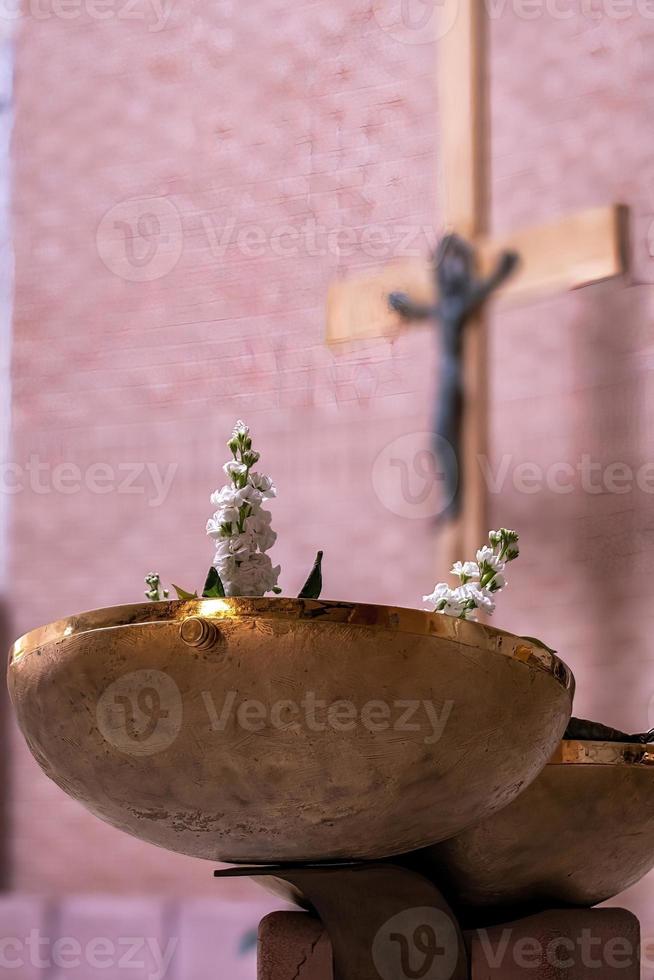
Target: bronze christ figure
x: 460, y: 294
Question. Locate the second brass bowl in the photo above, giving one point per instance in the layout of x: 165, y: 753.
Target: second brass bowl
x: 580, y: 834
x: 266, y: 730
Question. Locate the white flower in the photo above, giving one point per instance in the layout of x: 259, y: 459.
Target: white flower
x: 497, y: 583
x: 441, y: 591
x: 225, y: 495
x: 466, y: 569
x: 480, y: 580
x: 227, y: 506
x: 240, y: 526
x: 215, y: 528
x: 237, y: 545
x: 253, y: 577
x: 455, y: 606
x: 487, y: 556
x: 481, y: 597
x: 240, y: 429
x: 258, y: 525
x: 248, y: 495
x: 233, y: 469
x: 263, y: 484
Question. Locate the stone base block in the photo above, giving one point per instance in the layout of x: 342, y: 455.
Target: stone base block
x: 579, y: 944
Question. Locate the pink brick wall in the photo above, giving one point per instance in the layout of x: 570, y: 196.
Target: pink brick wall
x: 226, y: 116
x: 572, y: 375
x: 92, y: 937
x: 246, y: 131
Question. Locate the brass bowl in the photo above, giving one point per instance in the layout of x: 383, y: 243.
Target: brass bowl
x: 138, y: 712
x: 580, y: 834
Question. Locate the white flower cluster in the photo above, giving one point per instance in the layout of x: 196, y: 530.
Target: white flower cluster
x: 241, y: 527
x: 480, y: 580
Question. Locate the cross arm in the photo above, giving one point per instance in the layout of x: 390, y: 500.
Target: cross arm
x: 572, y: 251
x: 567, y: 253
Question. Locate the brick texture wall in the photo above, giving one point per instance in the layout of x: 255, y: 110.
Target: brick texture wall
x: 188, y: 179
x: 239, y: 131
x: 572, y: 375
x: 103, y: 938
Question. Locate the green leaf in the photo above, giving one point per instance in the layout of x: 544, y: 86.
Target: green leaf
x: 313, y: 585
x: 183, y: 594
x: 213, y: 587
x: 538, y: 643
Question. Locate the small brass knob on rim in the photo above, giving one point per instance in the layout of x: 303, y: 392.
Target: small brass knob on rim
x: 198, y: 633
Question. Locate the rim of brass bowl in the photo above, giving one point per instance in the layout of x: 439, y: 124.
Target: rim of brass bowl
x: 402, y: 619
x: 573, y: 751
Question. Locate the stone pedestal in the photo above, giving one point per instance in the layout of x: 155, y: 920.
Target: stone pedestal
x: 579, y: 944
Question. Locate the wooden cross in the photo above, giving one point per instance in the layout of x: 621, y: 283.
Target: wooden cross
x: 573, y: 251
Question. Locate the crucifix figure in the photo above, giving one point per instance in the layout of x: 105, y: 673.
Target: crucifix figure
x: 571, y: 251
x: 460, y: 294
